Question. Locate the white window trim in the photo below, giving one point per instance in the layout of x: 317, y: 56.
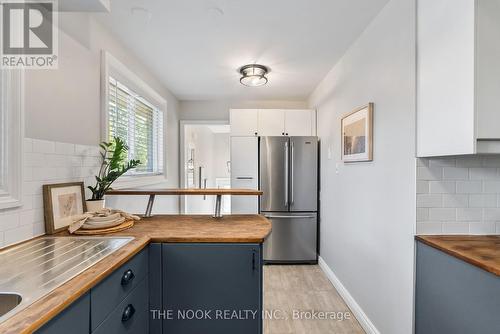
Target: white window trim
x: 110, y: 66
x: 12, y: 132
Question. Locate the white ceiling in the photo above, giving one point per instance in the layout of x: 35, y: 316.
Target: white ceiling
x: 196, y: 51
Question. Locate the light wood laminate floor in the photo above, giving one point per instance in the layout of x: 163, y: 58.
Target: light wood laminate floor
x: 289, y: 288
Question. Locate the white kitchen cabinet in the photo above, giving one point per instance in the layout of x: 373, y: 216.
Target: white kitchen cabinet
x: 244, y: 173
x: 271, y: 122
x: 458, y: 66
x: 244, y: 122
x: 300, y: 122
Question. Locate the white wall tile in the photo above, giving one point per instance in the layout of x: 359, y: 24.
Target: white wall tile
x: 482, y: 200
x: 455, y: 228
x: 454, y: 173
x: 455, y: 201
x: 442, y: 187
x: 469, y: 187
x: 45, y: 162
x: 482, y: 228
x: 492, y: 187
x: 442, y: 214
x: 429, y: 201
x: 422, y: 187
x: 467, y: 214
x: 65, y: 148
x: 429, y: 228
x: 462, y: 195
x: 429, y: 173
x: 44, y: 146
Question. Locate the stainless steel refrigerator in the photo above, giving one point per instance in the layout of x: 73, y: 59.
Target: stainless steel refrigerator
x: 288, y: 177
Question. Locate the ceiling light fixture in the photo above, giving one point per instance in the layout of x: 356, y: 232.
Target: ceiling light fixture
x: 253, y: 75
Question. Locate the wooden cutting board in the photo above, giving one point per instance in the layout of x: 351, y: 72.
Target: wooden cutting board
x: 123, y: 226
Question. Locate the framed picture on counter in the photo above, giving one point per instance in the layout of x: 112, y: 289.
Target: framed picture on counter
x: 61, y: 202
x: 357, y: 135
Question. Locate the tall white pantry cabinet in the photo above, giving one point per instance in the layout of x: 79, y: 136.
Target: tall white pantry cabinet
x: 458, y: 77
x: 247, y: 125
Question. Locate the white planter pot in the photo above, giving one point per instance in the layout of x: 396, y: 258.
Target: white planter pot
x: 94, y: 206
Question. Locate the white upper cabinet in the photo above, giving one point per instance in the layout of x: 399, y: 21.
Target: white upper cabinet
x: 244, y: 122
x: 300, y: 122
x: 271, y: 122
x: 458, y: 66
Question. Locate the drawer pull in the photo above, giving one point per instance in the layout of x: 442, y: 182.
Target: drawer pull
x: 127, y: 277
x: 128, y: 313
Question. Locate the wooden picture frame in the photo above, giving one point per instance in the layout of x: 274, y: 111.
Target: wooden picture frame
x: 62, y: 201
x: 357, y: 135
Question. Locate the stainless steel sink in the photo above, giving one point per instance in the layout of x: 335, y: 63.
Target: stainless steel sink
x: 8, y: 301
x: 33, y: 269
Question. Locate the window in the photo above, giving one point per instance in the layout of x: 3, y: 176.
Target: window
x: 140, y: 123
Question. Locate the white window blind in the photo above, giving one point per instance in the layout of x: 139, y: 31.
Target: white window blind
x: 140, y: 124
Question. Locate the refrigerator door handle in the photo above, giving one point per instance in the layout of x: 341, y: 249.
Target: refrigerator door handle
x: 291, y: 172
x: 288, y: 217
x: 286, y: 173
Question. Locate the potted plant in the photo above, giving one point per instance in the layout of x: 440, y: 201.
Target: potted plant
x: 114, y: 164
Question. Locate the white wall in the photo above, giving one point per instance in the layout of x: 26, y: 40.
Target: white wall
x: 219, y: 109
x: 64, y: 105
x: 368, y: 209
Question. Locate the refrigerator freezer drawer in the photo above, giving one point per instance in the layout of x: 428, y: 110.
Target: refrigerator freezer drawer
x: 293, y: 238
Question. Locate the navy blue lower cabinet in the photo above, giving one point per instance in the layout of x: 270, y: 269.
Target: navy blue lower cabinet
x: 454, y: 297
x: 212, y: 288
x: 75, y: 319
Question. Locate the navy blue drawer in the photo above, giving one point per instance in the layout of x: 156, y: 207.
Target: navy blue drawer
x: 74, y: 320
x: 131, y: 315
x: 106, y: 296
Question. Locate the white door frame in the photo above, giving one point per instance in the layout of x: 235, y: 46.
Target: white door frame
x: 182, y: 155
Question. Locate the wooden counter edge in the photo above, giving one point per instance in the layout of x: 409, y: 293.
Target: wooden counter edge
x: 425, y: 239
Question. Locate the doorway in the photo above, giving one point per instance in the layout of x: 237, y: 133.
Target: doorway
x: 205, y: 163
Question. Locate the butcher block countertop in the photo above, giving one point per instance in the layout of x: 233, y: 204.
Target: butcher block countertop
x: 161, y: 228
x: 482, y: 251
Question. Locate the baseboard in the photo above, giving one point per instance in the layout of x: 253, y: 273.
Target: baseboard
x: 363, y: 319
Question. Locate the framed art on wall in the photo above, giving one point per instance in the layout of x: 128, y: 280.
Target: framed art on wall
x: 357, y: 135
x: 61, y: 202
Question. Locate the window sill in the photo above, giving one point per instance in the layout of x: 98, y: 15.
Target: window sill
x: 138, y: 181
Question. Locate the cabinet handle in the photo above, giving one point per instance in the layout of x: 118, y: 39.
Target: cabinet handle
x: 127, y: 277
x: 128, y: 313
x: 244, y: 178
x: 253, y: 260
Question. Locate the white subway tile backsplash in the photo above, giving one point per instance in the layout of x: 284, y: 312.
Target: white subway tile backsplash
x: 454, y: 173
x: 442, y: 187
x: 65, y: 148
x: 482, y: 228
x: 429, y: 228
x: 492, y: 187
x: 468, y: 214
x: 484, y: 174
x: 482, y: 201
x: 469, y: 187
x: 455, y: 228
x: 422, y: 187
x: 455, y: 201
x: 492, y: 214
x: 422, y: 214
x: 458, y: 195
x: 429, y: 201
x: 45, y: 162
x: 429, y: 173
x: 442, y: 214
x: 44, y: 146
